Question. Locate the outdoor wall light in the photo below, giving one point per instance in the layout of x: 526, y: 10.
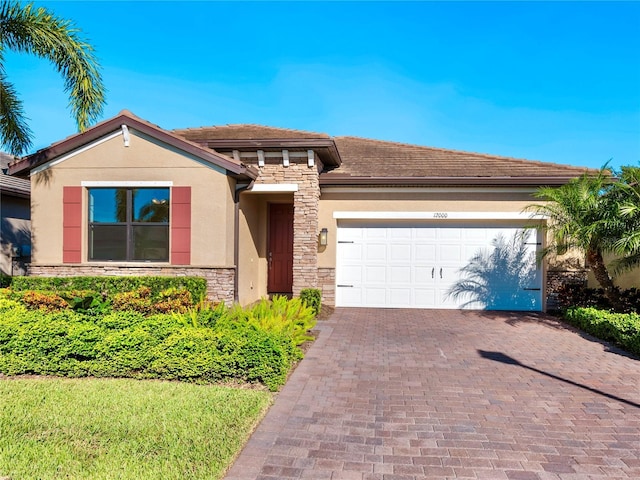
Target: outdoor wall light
x: 323, y: 237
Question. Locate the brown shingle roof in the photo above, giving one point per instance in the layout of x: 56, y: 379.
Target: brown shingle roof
x: 244, y: 132
x: 12, y: 185
x: 378, y: 162
x: 19, y: 187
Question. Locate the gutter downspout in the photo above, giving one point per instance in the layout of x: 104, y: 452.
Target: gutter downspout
x: 236, y: 235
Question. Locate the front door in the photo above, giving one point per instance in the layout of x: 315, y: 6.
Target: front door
x: 280, y: 248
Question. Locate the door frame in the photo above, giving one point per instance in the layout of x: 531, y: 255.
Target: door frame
x: 279, y: 218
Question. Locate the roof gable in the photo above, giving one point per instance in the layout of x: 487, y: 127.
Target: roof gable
x: 109, y: 127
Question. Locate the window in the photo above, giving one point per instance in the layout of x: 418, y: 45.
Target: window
x: 129, y: 224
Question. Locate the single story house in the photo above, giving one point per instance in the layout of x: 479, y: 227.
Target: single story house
x: 15, y: 225
x: 260, y: 210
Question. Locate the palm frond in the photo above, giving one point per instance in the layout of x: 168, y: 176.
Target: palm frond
x: 15, y: 134
x: 38, y: 32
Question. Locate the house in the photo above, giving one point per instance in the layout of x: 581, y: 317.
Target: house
x: 15, y: 228
x: 259, y: 210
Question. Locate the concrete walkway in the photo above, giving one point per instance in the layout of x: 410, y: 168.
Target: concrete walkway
x: 423, y: 394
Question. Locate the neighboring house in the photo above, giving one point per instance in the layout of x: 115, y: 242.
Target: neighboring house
x: 15, y: 224
x: 259, y: 210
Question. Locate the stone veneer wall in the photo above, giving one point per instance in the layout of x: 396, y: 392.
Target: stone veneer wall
x: 327, y: 285
x: 305, y: 216
x: 220, y: 281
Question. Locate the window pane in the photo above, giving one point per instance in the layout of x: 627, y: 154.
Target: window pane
x: 151, y: 205
x: 107, y: 205
x: 108, y: 242
x: 150, y: 242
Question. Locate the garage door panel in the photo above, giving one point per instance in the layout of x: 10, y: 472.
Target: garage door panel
x: 349, y: 296
x: 450, y: 253
x: 400, y: 274
x: 423, y: 275
x: 400, y: 252
x: 350, y: 274
x: 425, y: 253
x: 418, y: 266
x: 375, y: 275
x: 375, y: 252
x: 446, y: 234
x: 376, y: 297
x: 424, y: 297
x: 350, y: 252
x: 375, y: 233
x: 399, y: 297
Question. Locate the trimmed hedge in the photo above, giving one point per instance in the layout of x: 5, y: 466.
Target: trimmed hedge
x: 110, y: 286
x: 622, y: 329
x: 127, y: 344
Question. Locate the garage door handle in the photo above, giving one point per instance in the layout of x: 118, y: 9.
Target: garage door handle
x: 440, y: 273
x: 533, y: 289
x: 348, y: 286
x: 346, y: 241
x: 433, y: 271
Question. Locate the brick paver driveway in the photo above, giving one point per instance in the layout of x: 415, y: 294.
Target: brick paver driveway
x: 414, y: 394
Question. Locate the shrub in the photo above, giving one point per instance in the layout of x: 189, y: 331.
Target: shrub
x: 312, y: 297
x: 622, y: 329
x: 577, y: 295
x: 133, y: 344
x: 45, y: 301
x: 292, y: 318
x: 138, y: 300
x: 141, y: 300
x: 108, y: 286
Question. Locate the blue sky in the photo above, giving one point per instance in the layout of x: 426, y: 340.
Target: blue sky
x: 550, y: 81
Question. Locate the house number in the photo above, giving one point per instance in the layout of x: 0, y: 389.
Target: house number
x: 440, y: 215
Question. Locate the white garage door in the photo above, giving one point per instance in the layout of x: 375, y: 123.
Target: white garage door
x: 426, y: 266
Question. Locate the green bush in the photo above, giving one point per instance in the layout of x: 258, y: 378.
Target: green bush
x: 291, y: 318
x: 141, y: 300
x: 214, y: 345
x: 313, y: 298
x: 622, y: 329
x: 109, y: 286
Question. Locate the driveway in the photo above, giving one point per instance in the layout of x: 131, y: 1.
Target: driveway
x: 433, y: 394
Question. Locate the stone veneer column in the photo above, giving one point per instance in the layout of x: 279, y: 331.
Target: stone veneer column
x: 305, y: 217
x: 305, y: 230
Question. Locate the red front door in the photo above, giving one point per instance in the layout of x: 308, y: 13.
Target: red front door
x: 280, y: 248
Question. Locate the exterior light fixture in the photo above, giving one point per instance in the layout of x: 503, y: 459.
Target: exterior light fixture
x: 323, y: 237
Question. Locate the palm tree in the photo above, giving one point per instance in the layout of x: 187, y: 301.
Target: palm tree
x: 38, y: 32
x: 581, y: 217
x: 626, y: 192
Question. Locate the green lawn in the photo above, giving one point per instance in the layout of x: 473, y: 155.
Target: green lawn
x: 122, y: 429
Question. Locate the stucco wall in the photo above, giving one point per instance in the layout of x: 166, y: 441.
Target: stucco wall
x: 145, y: 159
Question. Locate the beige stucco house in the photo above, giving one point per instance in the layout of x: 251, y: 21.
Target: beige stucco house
x: 259, y: 210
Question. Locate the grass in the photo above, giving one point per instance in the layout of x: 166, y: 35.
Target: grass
x: 98, y: 429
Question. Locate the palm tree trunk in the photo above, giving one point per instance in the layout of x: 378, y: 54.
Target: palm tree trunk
x: 599, y: 269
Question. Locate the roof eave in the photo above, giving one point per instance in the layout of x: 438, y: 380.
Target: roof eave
x: 332, y: 158
x: 15, y: 192
x: 23, y: 166
x: 326, y: 180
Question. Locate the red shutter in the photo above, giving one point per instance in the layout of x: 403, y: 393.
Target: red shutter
x: 181, y: 226
x: 72, y: 224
